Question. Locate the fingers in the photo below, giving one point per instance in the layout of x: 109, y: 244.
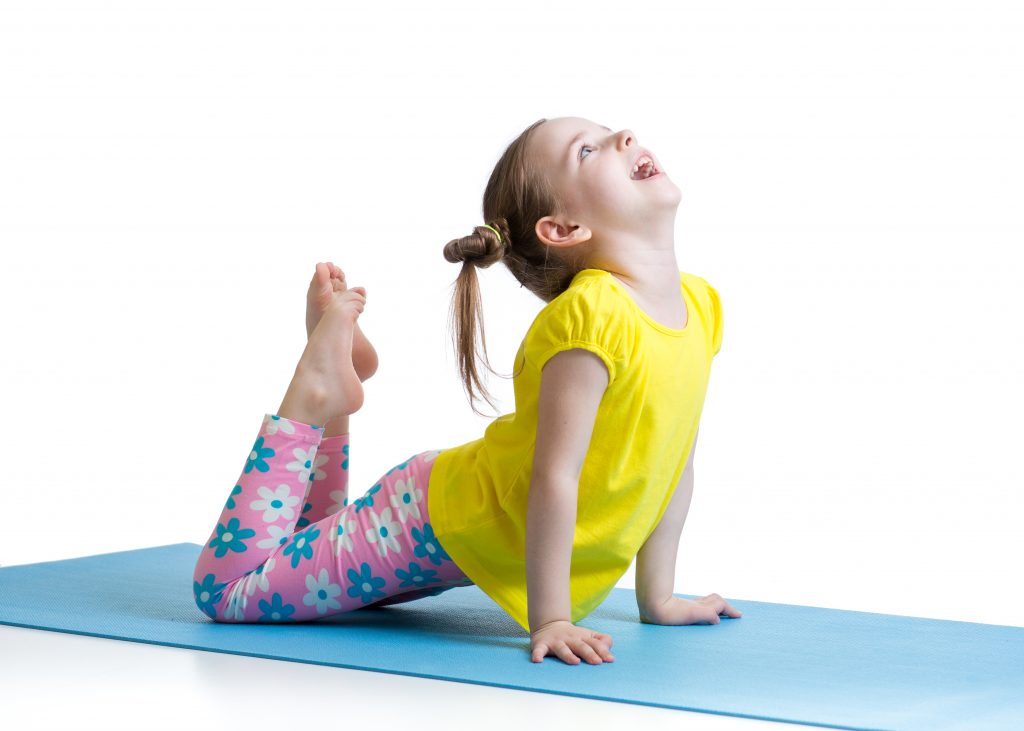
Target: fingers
x: 723, y: 607
x: 595, y: 655
x: 566, y: 654
x: 602, y: 643
x: 720, y: 606
x: 539, y: 653
x: 588, y: 653
x: 593, y: 651
x: 570, y: 644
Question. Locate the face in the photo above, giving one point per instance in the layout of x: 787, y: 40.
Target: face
x: 590, y: 167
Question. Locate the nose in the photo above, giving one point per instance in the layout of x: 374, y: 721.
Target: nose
x: 625, y: 138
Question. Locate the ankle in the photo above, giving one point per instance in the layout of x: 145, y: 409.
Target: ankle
x: 336, y: 426
x: 305, y: 401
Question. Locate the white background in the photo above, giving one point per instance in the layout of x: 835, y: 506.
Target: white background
x: 852, y: 185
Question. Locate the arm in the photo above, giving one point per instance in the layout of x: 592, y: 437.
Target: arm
x: 656, y: 561
x: 572, y: 385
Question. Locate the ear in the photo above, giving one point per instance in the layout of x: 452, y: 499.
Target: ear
x: 559, y: 232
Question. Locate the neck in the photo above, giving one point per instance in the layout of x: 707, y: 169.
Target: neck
x: 646, y: 265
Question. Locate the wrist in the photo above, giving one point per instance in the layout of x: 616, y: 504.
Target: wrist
x: 659, y: 613
x: 542, y: 625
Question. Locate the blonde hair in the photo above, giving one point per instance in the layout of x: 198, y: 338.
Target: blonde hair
x: 516, y: 197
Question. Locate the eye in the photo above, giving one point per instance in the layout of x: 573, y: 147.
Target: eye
x: 584, y: 147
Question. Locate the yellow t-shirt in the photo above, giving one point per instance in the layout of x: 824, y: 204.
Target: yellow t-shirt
x: 645, y: 426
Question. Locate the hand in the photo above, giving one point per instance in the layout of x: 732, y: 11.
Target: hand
x: 705, y: 610
x: 562, y: 638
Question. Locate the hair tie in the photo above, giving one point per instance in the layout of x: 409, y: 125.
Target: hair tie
x: 495, y: 231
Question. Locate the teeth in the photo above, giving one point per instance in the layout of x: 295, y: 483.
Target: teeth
x: 644, y: 159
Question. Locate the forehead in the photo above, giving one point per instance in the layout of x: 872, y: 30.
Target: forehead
x: 552, y: 138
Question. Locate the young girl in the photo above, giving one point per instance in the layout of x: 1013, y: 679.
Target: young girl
x: 546, y: 510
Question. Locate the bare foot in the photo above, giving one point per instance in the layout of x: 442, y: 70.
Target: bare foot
x: 328, y: 279
x: 325, y: 368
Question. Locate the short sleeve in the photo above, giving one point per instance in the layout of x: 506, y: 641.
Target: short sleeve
x: 716, y: 319
x: 585, y: 317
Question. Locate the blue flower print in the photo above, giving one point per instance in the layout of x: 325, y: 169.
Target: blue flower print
x: 303, y: 522
x: 237, y: 601
x: 307, y: 464
x: 321, y: 592
x: 366, y: 499
x: 415, y: 576
x: 428, y: 545
x: 275, y: 610
x: 275, y: 503
x: 344, y: 465
x: 284, y: 535
x: 230, y: 505
x: 384, y: 532
x: 342, y: 533
x: 230, y: 538
x: 207, y: 594
x: 301, y: 545
x: 365, y: 585
x: 400, y: 465
x: 258, y: 455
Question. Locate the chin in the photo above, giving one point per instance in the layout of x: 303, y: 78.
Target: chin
x: 678, y: 194
x: 669, y: 195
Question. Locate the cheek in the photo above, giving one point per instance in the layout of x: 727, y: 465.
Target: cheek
x: 611, y: 186
x: 600, y: 190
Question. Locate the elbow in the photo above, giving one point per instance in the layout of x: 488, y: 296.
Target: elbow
x: 558, y: 483
x: 553, y: 502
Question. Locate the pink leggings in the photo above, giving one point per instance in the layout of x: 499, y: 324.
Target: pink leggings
x: 288, y: 547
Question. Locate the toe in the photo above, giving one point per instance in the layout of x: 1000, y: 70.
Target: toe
x: 322, y: 283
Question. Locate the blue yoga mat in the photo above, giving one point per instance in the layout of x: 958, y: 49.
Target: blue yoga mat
x: 779, y: 662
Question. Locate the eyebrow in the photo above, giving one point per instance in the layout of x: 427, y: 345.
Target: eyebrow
x: 572, y: 143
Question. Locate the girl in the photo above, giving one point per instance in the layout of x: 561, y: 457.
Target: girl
x: 546, y: 510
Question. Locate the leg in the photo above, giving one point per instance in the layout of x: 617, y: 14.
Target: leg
x: 271, y: 487
x: 328, y: 494
x: 328, y: 481
x: 328, y: 486
x: 381, y: 547
x: 328, y: 491
x: 257, y: 522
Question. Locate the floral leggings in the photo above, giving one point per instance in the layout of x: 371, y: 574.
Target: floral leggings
x: 267, y: 562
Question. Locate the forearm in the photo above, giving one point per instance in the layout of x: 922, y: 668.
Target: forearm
x: 656, y: 561
x: 656, y: 572
x: 550, y: 525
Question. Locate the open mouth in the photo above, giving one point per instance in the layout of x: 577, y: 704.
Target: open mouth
x: 644, y: 169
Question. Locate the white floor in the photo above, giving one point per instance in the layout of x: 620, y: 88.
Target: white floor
x: 55, y: 680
